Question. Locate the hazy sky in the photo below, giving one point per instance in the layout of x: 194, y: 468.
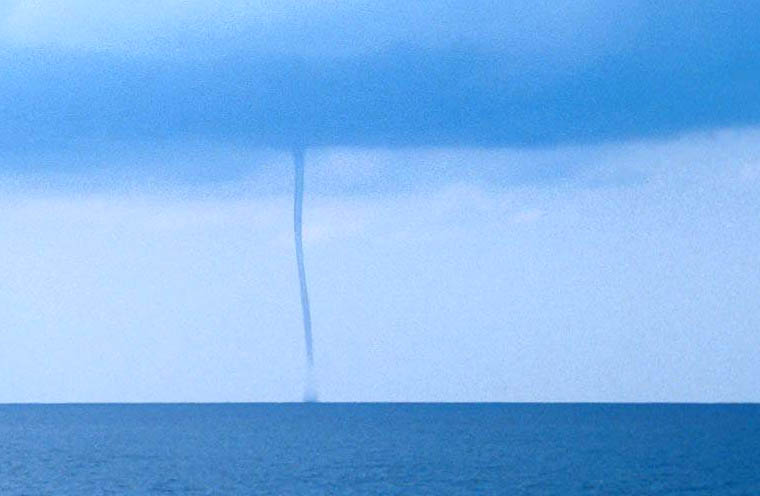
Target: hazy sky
x: 503, y: 203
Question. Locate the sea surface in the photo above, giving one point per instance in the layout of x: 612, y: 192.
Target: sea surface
x: 236, y: 449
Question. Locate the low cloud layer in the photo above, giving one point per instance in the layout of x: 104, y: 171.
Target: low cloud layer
x: 490, y: 74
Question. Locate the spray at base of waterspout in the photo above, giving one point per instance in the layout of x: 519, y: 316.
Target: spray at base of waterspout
x: 310, y: 391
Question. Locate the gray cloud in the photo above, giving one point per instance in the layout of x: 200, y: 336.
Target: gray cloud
x: 483, y: 75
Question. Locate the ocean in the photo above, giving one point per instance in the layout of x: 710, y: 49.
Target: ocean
x: 281, y: 449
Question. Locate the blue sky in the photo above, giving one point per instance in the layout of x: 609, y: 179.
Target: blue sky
x: 504, y: 203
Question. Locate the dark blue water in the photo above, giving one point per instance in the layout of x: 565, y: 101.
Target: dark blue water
x: 379, y: 449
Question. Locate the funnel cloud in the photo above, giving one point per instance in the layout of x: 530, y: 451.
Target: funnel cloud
x: 310, y: 392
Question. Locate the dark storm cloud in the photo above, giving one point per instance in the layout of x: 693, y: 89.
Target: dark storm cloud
x: 684, y: 68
